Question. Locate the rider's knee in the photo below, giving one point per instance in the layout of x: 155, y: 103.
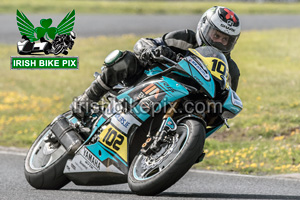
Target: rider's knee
x: 120, y: 60
x: 119, y: 66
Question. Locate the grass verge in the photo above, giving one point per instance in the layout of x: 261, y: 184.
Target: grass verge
x: 263, y: 139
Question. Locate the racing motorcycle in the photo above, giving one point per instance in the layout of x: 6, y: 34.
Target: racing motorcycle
x: 62, y: 43
x: 149, y: 135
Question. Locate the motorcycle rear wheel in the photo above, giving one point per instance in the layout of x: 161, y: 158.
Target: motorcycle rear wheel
x: 44, y: 163
x: 149, y: 178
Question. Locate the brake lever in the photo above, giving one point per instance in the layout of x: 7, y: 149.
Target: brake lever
x: 162, y: 58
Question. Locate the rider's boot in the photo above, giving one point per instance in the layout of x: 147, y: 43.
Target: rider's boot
x: 118, y: 66
x: 81, y: 105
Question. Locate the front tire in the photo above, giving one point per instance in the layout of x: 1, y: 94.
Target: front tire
x: 58, y: 49
x: 145, y: 178
x: 44, y: 163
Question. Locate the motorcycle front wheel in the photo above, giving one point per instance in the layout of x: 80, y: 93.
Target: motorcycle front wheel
x: 152, y: 174
x: 58, y: 49
x: 45, y: 162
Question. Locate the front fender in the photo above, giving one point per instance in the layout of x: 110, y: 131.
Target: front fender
x: 191, y: 116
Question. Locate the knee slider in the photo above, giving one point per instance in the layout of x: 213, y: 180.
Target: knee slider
x: 113, y: 57
x: 120, y: 60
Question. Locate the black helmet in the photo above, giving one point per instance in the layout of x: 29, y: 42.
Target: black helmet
x: 219, y: 27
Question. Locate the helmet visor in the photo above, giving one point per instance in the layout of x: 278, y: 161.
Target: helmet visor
x: 218, y: 39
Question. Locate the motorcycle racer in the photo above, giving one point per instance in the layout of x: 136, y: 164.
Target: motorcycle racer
x: 218, y: 27
x: 62, y: 43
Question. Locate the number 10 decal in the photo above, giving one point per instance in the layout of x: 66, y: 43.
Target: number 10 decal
x: 219, y: 69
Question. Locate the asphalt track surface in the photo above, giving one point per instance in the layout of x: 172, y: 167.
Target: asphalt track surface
x: 194, y: 185
x: 88, y: 25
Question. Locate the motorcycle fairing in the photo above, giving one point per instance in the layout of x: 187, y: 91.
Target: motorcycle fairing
x: 232, y: 105
x: 111, y: 147
x: 210, y: 131
x: 87, y: 161
x: 149, y: 73
x: 97, y: 164
x: 145, y: 99
x: 153, y: 71
x: 99, y: 123
x: 157, y: 70
x: 102, y: 163
x: 124, y: 121
x: 87, y: 168
x: 110, y: 152
x: 152, y: 96
x: 216, y: 63
x: 115, y: 141
x: 199, y: 73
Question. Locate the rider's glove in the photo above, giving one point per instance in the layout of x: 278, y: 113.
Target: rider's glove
x: 147, y: 55
x: 165, y: 51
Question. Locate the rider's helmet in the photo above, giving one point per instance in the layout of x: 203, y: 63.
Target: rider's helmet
x: 72, y: 35
x: 218, y: 27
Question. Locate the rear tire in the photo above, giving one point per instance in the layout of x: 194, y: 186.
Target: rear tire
x: 155, y: 182
x: 44, y: 166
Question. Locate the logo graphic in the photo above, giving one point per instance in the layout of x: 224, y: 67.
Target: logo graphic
x: 230, y: 15
x: 34, y: 34
x: 230, y: 23
x: 45, y: 39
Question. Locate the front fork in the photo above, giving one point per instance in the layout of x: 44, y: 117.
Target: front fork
x: 168, y: 126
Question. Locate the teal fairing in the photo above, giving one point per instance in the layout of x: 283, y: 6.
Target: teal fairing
x: 232, y: 105
x: 150, y: 97
x: 200, y: 74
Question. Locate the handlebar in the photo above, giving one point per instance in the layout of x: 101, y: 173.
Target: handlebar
x: 162, y: 58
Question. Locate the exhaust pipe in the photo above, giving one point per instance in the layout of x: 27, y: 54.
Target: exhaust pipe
x: 66, y: 134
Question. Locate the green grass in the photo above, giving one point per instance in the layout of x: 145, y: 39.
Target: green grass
x: 143, y: 7
x: 267, y: 131
x: 263, y: 139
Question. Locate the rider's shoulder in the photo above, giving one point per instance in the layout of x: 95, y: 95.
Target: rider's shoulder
x: 184, y: 39
x: 184, y: 33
